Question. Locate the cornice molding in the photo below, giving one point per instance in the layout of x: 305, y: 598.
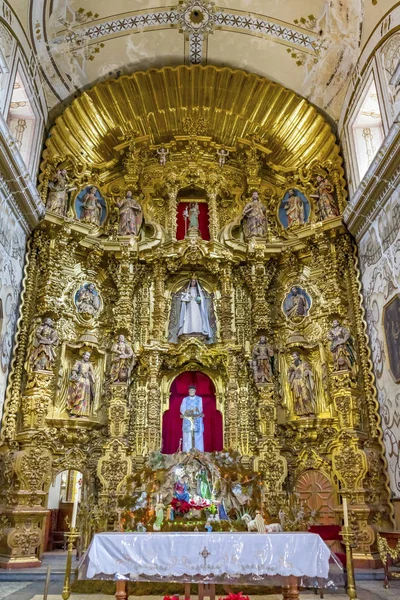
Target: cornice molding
x: 17, y: 182
x: 376, y: 187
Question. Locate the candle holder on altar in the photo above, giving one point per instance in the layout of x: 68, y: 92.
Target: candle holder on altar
x: 71, y: 536
x: 348, y: 537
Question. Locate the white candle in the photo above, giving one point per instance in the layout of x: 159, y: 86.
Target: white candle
x: 345, y: 513
x: 74, y: 510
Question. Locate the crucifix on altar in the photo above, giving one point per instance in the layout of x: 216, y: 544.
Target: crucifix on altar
x: 192, y: 425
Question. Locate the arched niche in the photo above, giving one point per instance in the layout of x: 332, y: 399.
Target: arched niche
x: 187, y: 197
x: 66, y: 486
x: 172, y: 422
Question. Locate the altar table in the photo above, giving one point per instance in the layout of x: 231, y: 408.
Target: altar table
x: 233, y: 558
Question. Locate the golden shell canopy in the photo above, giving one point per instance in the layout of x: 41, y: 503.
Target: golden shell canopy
x: 232, y: 103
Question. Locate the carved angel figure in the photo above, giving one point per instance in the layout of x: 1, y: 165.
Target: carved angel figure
x: 130, y: 215
x: 254, y: 218
x: 342, y: 347
x: 123, y: 361
x: 301, y: 381
x: 326, y: 205
x: 57, y: 193
x: 81, y: 390
x: 44, y: 344
x: 263, y: 361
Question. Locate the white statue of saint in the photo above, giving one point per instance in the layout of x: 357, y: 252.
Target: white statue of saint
x: 193, y: 318
x: 192, y: 426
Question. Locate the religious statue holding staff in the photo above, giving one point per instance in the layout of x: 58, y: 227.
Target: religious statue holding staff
x: 44, y: 343
x: 301, y: 382
x: 192, y: 426
x: 57, y: 193
x: 342, y: 347
x: 254, y: 218
x: 122, y: 362
x: 263, y: 361
x: 130, y: 215
x: 81, y: 391
x: 326, y: 205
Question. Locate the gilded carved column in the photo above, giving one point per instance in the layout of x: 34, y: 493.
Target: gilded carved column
x: 231, y: 420
x: 172, y: 208
x: 226, y: 318
x: 213, y: 214
x: 159, y: 313
x: 144, y: 312
x: 154, y: 401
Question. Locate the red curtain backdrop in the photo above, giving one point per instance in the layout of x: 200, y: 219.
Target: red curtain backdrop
x: 203, y: 220
x: 172, y: 422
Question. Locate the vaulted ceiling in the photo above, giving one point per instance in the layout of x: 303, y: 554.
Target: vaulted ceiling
x: 310, y: 46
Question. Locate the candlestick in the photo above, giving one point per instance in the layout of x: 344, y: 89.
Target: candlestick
x: 347, y: 536
x: 71, y: 536
x: 74, y: 510
x: 345, y: 513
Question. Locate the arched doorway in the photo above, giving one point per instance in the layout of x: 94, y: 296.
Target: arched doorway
x: 172, y: 422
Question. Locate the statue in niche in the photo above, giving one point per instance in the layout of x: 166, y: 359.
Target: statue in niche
x: 254, y: 218
x: 130, y: 215
x: 192, y: 314
x: 191, y: 215
x: 342, y: 347
x: 263, y: 361
x: 326, y: 205
x: 81, y: 390
x: 87, y: 300
x: 192, y: 424
x: 122, y: 362
x: 294, y: 209
x: 91, y: 209
x: 301, y: 382
x: 297, y: 303
x: 57, y: 193
x: 44, y: 344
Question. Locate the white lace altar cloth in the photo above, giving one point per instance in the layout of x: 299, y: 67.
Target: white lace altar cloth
x: 206, y: 557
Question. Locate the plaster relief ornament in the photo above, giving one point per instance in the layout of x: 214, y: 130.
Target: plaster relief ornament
x: 123, y: 361
x: 254, y: 218
x: 342, y: 347
x: 294, y: 209
x: 301, y: 382
x: 44, y: 344
x: 87, y: 300
x: 81, y: 390
x: 130, y: 215
x: 197, y: 16
x: 192, y: 314
x: 262, y: 362
x: 57, y: 193
x: 90, y: 206
x: 296, y: 304
x: 326, y: 204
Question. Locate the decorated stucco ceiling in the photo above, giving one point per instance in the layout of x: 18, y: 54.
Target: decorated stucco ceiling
x: 309, y: 46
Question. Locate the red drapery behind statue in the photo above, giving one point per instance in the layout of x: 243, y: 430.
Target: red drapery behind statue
x: 172, y: 422
x: 203, y: 220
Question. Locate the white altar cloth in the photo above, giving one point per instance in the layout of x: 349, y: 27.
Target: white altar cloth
x: 206, y: 557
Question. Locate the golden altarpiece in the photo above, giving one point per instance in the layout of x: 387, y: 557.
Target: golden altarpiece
x: 288, y: 355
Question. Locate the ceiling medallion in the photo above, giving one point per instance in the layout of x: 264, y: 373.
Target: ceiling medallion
x: 196, y: 16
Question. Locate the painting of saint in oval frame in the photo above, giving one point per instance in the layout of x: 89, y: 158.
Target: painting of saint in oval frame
x: 296, y: 304
x: 90, y: 206
x: 294, y: 210
x: 391, y: 327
